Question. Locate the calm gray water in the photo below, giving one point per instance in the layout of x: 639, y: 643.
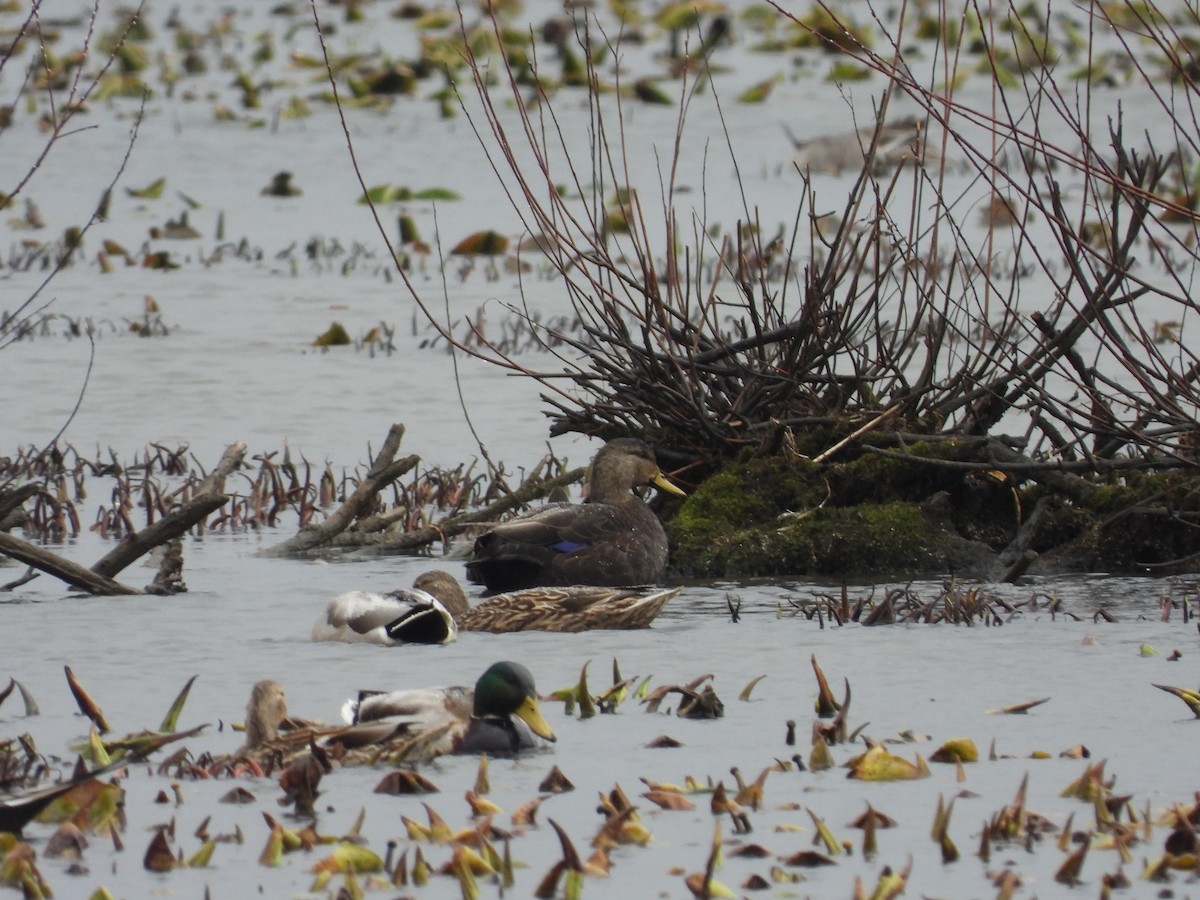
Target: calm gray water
x: 248, y: 618
x: 238, y: 365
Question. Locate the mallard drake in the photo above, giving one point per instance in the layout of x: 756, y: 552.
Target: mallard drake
x: 404, y: 616
x: 613, y: 538
x: 500, y: 715
x: 559, y: 609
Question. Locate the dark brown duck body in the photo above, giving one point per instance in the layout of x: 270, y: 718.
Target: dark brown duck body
x: 613, y: 538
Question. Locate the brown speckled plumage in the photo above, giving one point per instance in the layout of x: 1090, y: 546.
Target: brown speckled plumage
x: 559, y: 609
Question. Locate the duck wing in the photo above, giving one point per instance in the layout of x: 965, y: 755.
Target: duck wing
x: 433, y: 718
x: 567, y: 609
x: 412, y: 705
x: 402, y: 616
x: 425, y: 623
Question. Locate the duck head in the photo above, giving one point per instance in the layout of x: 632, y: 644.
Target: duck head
x: 506, y: 689
x: 624, y: 464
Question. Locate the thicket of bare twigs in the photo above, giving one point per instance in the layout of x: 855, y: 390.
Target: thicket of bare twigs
x: 1043, y: 351
x: 1054, y: 328
x: 67, y: 82
x: 1047, y: 343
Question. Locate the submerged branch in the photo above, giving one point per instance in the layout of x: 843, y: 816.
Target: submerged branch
x: 384, y: 470
x: 451, y: 526
x: 172, y: 525
x: 61, y: 568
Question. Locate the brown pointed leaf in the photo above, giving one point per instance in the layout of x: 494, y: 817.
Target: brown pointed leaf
x: 877, y: 818
x: 745, y: 694
x: 526, y: 813
x: 827, y: 707
x: 1020, y: 708
x: 86, y: 704
x: 405, y: 781
x: 570, y: 855
x: 159, y: 857
x: 1068, y: 872
x: 751, y: 851
x: 481, y: 243
x: 556, y: 782
x: 809, y: 859
x: 548, y: 887
x: 664, y: 741
x: 669, y: 800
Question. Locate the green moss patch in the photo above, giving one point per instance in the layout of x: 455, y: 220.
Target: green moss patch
x: 769, y: 516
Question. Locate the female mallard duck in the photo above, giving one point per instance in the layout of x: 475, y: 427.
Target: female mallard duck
x: 613, y: 538
x: 404, y: 616
x: 500, y: 715
x: 265, y: 711
x: 559, y: 609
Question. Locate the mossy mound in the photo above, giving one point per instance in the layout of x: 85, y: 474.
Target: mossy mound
x: 915, y: 515
x: 771, y: 515
x: 1147, y: 525
x: 896, y: 538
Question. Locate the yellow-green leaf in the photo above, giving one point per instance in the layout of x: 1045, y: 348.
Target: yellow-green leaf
x: 172, y: 718
x: 348, y: 857
x: 152, y: 191
x: 879, y: 765
x: 956, y: 750
x: 758, y: 93
x: 201, y: 857
x: 843, y: 71
x: 334, y: 336
x: 436, y: 193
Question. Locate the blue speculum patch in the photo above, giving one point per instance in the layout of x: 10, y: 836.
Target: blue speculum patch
x: 567, y: 546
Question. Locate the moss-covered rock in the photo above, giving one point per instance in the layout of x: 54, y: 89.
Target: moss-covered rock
x: 772, y: 516
x: 909, y: 515
x: 744, y: 495
x: 896, y: 538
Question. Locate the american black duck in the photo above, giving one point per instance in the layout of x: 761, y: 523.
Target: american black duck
x: 611, y: 539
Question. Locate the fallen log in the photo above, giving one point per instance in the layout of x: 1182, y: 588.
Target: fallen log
x: 169, y: 527
x: 61, y: 568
